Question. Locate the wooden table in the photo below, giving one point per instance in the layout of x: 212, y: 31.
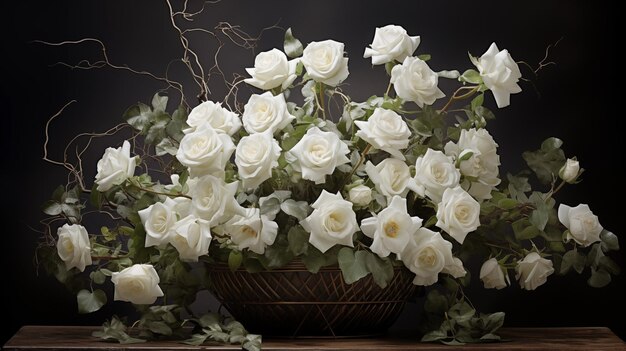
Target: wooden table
x: 79, y: 338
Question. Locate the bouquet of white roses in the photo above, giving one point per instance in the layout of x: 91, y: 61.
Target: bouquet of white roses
x: 409, y: 177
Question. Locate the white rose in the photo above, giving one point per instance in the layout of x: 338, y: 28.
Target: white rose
x: 533, y: 271
x: 391, y: 229
x: 73, y: 246
x: 414, y: 81
x: 429, y: 254
x: 158, y: 220
x: 583, y: 226
x: 216, y: 116
x: 115, y: 167
x: 138, y: 284
x: 570, y: 171
x: 500, y: 74
x: 458, y: 213
x: 332, y: 222
x: 482, y: 163
x: 271, y: 69
x: 205, y: 151
x: 434, y: 173
x: 391, y: 43
x: 360, y: 195
x: 191, y: 238
x: 324, y: 62
x: 492, y: 275
x: 317, y: 154
x: 252, y: 230
x: 391, y: 176
x: 266, y: 112
x: 213, y: 199
x: 256, y: 156
x: 385, y: 130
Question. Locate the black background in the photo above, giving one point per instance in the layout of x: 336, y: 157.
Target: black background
x: 580, y: 102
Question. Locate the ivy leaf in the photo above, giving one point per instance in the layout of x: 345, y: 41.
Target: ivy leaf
x: 298, y: 240
x: 382, y: 270
x: 115, y: 330
x: 138, y: 116
x: 52, y: 208
x: 159, y: 103
x: 547, y: 161
x: 573, y: 259
x: 97, y: 277
x: 89, y: 302
x: 159, y: 327
x: 313, y: 260
x: 293, y: 47
x: 435, y: 335
x: 352, y: 264
x: 297, y: 209
x: 166, y: 146
x: 461, y: 312
x: 524, y: 230
x: 609, y: 241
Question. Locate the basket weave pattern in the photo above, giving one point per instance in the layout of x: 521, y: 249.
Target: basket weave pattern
x: 291, y: 301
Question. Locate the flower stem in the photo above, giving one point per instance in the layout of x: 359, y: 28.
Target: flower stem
x: 456, y: 96
x: 322, y: 100
x: 388, y: 89
x: 358, y: 164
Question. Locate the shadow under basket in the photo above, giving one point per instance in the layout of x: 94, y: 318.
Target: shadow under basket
x: 292, y: 302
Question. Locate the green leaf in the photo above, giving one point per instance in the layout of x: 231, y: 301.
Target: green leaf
x: 434, y: 335
x: 138, y: 116
x: 524, y: 230
x: 609, y: 241
x: 293, y: 46
x: 436, y: 302
x: 573, y: 259
x: 196, y: 339
x: 253, y: 342
x: 89, y: 302
x: 58, y: 193
x: 609, y: 265
x: 471, y: 76
x: 494, y: 321
x: 234, y: 260
x: 551, y: 144
x: 382, y: 270
x: 97, y: 277
x: 599, y: 278
x: 52, y: 208
x: 352, y: 264
x: 313, y: 260
x: 507, y: 204
x: 159, y: 327
x: 159, y: 103
x: 547, y: 161
x: 424, y: 57
x: 389, y: 66
x: 477, y: 101
x: 539, y: 218
x: 298, y: 240
x: 461, y: 312
x: 297, y: 209
x: 165, y: 147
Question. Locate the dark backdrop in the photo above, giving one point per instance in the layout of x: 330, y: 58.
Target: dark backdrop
x: 579, y: 102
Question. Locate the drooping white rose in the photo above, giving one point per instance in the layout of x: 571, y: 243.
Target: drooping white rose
x: 360, y: 195
x: 391, y: 43
x: 500, y: 74
x: 324, y: 62
x: 391, y: 176
x: 255, y: 157
x: 317, y: 154
x: 222, y: 120
x: 429, y: 254
x: 158, y: 220
x: 414, y: 81
x: 458, y: 213
x: 205, y: 151
x: 266, y: 112
x: 213, y: 199
x: 391, y: 229
x: 583, y: 226
x: 252, y: 230
x: 115, y: 167
x: 138, y: 284
x: 73, y: 246
x: 271, y: 70
x: 191, y: 238
x: 570, y: 171
x: 434, y: 173
x: 482, y: 164
x: 333, y: 222
x: 533, y: 271
x: 385, y: 130
x: 492, y: 275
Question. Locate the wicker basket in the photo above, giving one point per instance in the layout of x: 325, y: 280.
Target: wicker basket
x: 292, y: 302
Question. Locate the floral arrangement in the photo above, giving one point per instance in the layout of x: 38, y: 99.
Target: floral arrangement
x: 409, y: 177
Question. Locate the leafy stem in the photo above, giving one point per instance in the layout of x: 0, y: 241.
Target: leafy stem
x: 458, y: 96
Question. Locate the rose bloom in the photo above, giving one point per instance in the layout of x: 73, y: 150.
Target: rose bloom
x: 414, y: 81
x: 583, y: 226
x: 333, y: 222
x: 533, y: 271
x: 115, y: 167
x: 73, y: 246
x: 324, y: 62
x: 271, y: 70
x: 138, y: 284
x: 385, y: 130
x: 216, y: 116
x: 391, y: 43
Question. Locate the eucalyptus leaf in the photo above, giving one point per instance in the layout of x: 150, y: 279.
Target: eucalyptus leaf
x: 293, y: 47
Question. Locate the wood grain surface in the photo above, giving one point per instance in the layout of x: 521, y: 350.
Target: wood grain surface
x: 79, y: 338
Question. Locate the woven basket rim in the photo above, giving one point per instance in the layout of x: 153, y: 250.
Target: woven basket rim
x: 295, y: 265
